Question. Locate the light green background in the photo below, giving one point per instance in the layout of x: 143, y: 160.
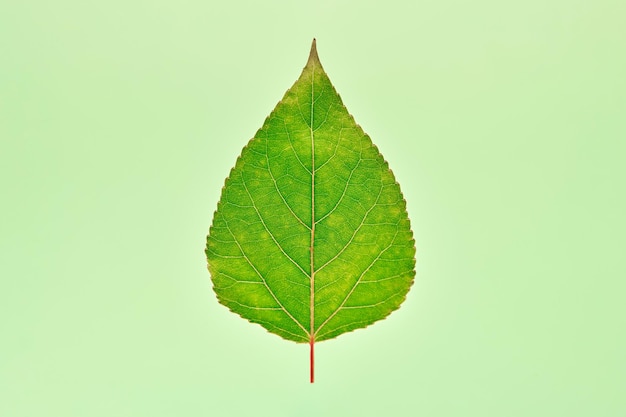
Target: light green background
x: 504, y: 122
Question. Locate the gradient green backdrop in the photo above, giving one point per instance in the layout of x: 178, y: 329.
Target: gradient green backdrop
x: 504, y: 122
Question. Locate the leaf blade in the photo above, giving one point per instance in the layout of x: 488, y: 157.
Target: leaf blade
x: 311, y: 227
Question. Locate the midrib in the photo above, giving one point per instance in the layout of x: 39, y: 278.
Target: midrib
x: 311, y: 249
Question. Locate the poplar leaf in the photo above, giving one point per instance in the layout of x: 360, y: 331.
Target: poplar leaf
x: 311, y: 237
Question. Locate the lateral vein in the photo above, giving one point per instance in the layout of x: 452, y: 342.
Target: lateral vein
x: 263, y: 278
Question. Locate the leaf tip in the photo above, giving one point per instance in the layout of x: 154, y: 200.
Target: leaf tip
x: 314, y: 59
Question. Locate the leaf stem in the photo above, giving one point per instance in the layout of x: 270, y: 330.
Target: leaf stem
x: 312, y: 358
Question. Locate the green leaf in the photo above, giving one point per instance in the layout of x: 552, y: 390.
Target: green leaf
x: 311, y: 237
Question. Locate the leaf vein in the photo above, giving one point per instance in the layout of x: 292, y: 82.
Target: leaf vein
x: 268, y: 230
x: 263, y: 278
x: 357, y: 282
x: 358, y: 228
x: 294, y: 148
x: 269, y: 169
x: 375, y: 304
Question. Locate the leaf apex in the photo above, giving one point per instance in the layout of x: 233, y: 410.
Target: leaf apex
x: 314, y: 59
